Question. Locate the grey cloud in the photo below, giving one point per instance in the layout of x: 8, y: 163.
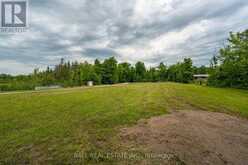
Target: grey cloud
x: 178, y: 20
x: 99, y: 53
x: 102, y: 28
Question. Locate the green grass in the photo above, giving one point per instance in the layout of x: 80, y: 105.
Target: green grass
x: 51, y: 126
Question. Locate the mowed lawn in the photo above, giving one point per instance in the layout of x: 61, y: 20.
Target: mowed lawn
x: 51, y: 126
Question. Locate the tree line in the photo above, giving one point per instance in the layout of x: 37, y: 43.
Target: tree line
x: 227, y: 69
x: 109, y: 71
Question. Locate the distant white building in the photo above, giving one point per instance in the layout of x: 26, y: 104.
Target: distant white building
x: 201, y: 78
x: 90, y: 83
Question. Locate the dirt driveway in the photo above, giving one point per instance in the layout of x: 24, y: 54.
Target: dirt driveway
x: 194, y: 137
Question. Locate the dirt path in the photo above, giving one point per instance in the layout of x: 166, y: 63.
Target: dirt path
x: 194, y: 137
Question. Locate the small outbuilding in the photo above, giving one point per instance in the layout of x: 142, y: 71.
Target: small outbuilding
x: 201, y: 78
x: 90, y: 83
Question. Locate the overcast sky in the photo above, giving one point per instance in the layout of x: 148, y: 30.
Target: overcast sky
x: 152, y: 31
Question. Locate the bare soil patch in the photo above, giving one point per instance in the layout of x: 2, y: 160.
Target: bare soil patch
x: 194, y: 137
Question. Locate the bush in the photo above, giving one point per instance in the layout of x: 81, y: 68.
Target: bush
x: 14, y: 86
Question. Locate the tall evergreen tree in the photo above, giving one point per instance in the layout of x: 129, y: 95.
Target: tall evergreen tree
x: 124, y: 72
x: 163, y: 73
x: 110, y: 71
x: 140, y: 71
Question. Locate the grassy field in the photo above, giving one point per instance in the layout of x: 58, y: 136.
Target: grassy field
x: 52, y: 126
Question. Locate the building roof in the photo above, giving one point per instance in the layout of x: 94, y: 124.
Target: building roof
x: 201, y: 75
